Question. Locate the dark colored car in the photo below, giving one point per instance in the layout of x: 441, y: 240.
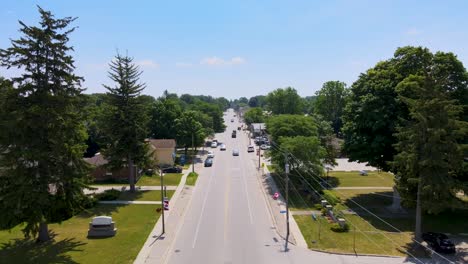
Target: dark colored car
x: 175, y: 169
x: 208, y: 162
x: 439, y: 242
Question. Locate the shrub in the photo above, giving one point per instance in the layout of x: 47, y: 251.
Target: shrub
x: 324, y: 211
x: 108, y: 195
x: 335, y: 227
x: 318, y: 206
x: 331, y: 197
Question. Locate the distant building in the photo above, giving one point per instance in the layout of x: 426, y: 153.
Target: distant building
x: 257, y: 129
x: 164, y: 151
x: 101, y: 173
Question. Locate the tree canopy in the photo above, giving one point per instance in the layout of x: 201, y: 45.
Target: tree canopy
x: 126, y: 121
x: 43, y: 134
x: 254, y: 115
x: 285, y: 101
x: 330, y: 102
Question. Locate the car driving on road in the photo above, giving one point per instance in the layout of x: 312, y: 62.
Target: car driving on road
x: 222, y: 147
x: 235, y: 152
x: 208, y: 162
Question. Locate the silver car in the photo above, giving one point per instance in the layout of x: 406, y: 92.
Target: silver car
x: 235, y: 152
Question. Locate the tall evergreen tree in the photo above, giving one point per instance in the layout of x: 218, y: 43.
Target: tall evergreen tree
x: 126, y: 121
x: 42, y: 133
x: 429, y: 160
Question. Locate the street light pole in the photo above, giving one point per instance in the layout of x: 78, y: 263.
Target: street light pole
x: 193, y: 153
x: 162, y: 201
x: 287, y: 202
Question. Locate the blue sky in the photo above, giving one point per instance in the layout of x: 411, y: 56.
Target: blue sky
x: 245, y: 48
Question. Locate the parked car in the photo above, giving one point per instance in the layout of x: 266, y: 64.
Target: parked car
x: 222, y: 147
x: 264, y: 147
x: 439, y: 242
x: 238, y: 128
x: 214, y: 144
x: 174, y: 169
x: 208, y: 162
x: 233, y: 135
x: 235, y: 152
x: 210, y: 154
x: 250, y: 148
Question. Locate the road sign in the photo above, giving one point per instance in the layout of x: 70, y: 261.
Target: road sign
x: 282, y: 211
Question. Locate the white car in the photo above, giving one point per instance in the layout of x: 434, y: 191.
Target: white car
x: 210, y: 154
x: 222, y: 147
x: 265, y: 147
x: 235, y: 152
x: 214, y: 144
x: 250, y: 148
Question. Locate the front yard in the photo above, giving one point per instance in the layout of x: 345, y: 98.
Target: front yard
x: 354, y: 179
x: 170, y: 179
x: 71, y: 245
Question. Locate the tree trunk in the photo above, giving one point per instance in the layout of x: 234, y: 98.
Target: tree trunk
x: 417, y: 232
x: 131, y: 175
x: 186, y: 150
x: 43, y: 232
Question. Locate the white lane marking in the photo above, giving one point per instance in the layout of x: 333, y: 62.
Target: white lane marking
x: 247, y: 195
x: 202, y: 210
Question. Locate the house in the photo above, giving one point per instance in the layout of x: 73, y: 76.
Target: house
x: 164, y: 151
x: 257, y: 129
x: 101, y: 173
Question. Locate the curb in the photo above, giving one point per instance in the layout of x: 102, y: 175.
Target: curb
x: 357, y: 254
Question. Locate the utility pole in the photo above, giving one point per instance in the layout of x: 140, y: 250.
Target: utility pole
x: 259, y: 154
x: 162, y: 201
x: 193, y: 154
x: 286, y: 169
x: 354, y: 240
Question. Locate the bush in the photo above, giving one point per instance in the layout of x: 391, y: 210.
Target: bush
x: 108, y: 195
x: 331, y: 197
x: 324, y: 211
x: 335, y: 227
x: 318, y: 206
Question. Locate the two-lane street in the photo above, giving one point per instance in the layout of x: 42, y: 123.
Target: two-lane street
x: 228, y: 221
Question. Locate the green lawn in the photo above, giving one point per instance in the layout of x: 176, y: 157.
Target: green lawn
x: 170, y: 179
x: 70, y: 244
x: 354, y: 179
x: 191, y: 179
x: 143, y: 196
x: 367, y: 242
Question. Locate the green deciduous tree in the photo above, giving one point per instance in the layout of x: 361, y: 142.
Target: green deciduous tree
x: 163, y: 114
x: 254, y: 115
x: 257, y: 101
x: 330, y: 102
x: 42, y: 131
x: 374, y: 111
x: 125, y: 123
x: 430, y: 158
x: 291, y: 126
x: 284, y: 101
x: 189, y: 130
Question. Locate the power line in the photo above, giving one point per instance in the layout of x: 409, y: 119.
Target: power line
x: 313, y: 177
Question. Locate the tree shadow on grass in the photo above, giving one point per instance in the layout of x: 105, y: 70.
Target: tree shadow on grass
x: 28, y: 251
x: 332, y: 181
x: 101, y: 209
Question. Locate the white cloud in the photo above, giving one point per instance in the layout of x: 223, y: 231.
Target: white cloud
x: 219, y: 61
x: 413, y: 32
x: 147, y: 64
x: 183, y: 64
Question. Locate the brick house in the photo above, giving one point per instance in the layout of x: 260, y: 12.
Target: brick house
x: 101, y: 173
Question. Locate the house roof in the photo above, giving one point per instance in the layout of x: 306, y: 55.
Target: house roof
x: 163, y: 143
x: 97, y: 160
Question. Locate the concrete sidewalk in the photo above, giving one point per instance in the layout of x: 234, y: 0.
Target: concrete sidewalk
x: 278, y: 206
x: 156, y: 247
x: 129, y: 202
x: 363, y: 188
x: 101, y: 189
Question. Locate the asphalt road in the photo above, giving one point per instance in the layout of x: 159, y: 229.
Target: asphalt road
x: 228, y: 220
